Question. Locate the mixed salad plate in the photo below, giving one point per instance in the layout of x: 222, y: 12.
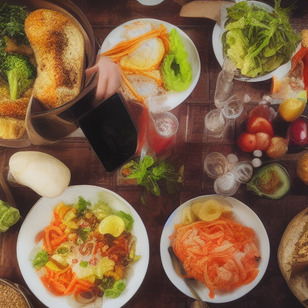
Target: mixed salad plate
x: 39, y: 218
x: 242, y: 214
x: 172, y: 98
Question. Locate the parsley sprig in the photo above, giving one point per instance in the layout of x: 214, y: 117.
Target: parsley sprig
x: 151, y: 174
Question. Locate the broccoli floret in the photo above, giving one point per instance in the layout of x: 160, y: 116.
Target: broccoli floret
x: 18, y: 71
x: 12, y: 21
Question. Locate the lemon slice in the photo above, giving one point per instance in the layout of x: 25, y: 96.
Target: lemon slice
x: 208, y: 210
x: 113, y: 225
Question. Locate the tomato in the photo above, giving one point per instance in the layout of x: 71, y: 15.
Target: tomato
x: 263, y: 111
x: 277, y: 148
x: 263, y: 141
x: 247, y: 142
x: 257, y: 124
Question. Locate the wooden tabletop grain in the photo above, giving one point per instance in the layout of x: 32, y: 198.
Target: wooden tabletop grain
x: 191, y: 149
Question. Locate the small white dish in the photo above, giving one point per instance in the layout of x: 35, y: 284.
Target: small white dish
x: 150, y: 2
x: 40, y: 216
x: 244, y: 215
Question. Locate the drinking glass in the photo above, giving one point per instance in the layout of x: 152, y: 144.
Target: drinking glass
x: 215, y: 165
x: 215, y: 123
x: 162, y: 130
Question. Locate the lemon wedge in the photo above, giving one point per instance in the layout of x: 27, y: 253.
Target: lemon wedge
x: 208, y: 210
x: 113, y: 225
x: 291, y: 108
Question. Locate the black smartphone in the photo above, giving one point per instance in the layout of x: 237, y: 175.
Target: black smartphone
x: 111, y: 132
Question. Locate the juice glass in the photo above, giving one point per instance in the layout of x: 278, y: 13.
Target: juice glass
x: 162, y: 129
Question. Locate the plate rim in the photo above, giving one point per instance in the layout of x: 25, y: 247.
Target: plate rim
x: 180, y: 284
x: 73, y: 191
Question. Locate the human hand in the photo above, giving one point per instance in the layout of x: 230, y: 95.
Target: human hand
x: 109, y: 77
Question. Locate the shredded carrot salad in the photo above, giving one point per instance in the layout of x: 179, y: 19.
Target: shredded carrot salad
x: 77, y: 258
x: 222, y: 253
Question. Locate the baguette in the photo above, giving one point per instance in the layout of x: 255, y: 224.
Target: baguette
x: 59, y: 49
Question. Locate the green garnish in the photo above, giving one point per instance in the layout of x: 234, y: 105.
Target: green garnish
x: 118, y: 287
x: 149, y: 173
x: 128, y: 220
x: 12, y: 24
x: 82, y: 205
x: 256, y: 41
x: 40, y: 259
x: 83, y: 264
x: 8, y: 216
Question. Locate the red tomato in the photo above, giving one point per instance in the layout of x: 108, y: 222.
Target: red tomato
x: 259, y: 125
x: 247, y: 142
x: 263, y: 111
x: 263, y: 141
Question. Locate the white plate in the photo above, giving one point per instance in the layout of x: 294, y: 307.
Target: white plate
x: 218, y: 50
x: 244, y: 215
x: 40, y: 216
x: 173, y: 99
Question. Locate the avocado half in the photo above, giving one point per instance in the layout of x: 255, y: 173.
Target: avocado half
x: 270, y: 181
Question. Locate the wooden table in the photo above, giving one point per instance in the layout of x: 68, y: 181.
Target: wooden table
x: 157, y: 290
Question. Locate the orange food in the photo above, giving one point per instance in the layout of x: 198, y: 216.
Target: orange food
x: 222, y: 254
x: 276, y: 83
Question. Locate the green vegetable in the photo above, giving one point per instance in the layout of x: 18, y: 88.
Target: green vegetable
x: 118, y: 287
x: 40, y: 259
x: 271, y: 181
x: 83, y: 233
x: 176, y: 69
x: 8, y: 216
x: 256, y: 41
x: 82, y: 205
x: 101, y: 209
x: 149, y: 173
x: 12, y: 21
x: 18, y: 71
x: 128, y: 220
x: 83, y: 264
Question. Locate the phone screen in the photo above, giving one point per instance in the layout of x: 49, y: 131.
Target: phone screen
x: 110, y: 132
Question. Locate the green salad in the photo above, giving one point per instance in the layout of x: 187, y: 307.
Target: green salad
x: 258, y: 41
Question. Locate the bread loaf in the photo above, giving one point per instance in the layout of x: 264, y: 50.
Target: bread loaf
x: 59, y: 49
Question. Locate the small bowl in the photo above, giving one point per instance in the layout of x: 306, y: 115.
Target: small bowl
x: 14, y: 294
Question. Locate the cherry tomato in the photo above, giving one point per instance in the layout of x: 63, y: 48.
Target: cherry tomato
x: 259, y: 125
x: 247, y: 142
x: 263, y: 141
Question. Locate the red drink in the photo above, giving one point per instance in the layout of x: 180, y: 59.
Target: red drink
x: 162, y: 131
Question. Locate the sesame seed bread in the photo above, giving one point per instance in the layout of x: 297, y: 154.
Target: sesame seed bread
x: 59, y: 49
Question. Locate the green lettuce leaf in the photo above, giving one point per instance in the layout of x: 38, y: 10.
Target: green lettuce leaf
x: 256, y: 41
x: 176, y: 69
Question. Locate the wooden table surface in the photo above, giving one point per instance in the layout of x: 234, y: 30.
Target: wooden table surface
x: 156, y: 289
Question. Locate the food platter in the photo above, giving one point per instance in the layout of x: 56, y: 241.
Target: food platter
x: 218, y: 49
x: 297, y: 283
x: 173, y: 99
x: 244, y: 215
x: 39, y: 217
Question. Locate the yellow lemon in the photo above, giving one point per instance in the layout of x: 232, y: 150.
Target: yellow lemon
x: 291, y: 108
x: 113, y: 225
x: 208, y: 210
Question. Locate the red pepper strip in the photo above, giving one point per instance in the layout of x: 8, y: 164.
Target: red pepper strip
x: 298, y: 57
